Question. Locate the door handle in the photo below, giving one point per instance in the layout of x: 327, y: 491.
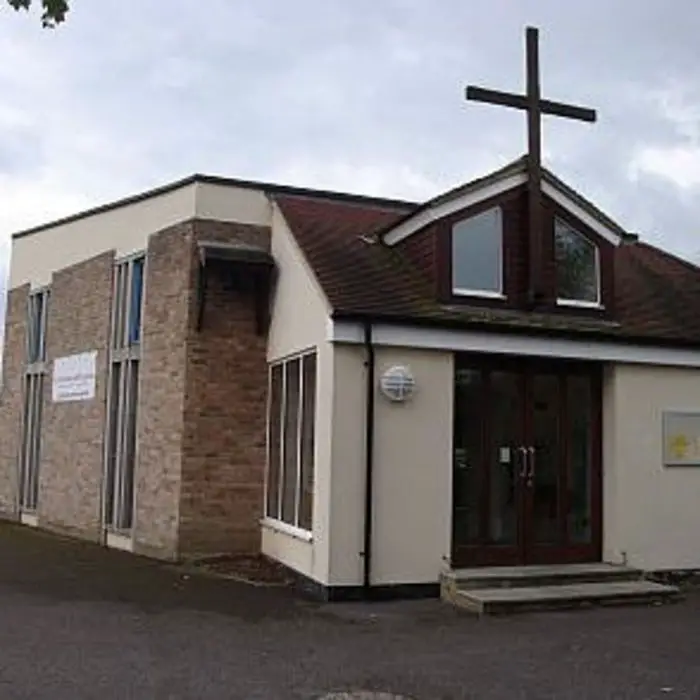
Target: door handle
x: 531, y: 473
x: 522, y: 450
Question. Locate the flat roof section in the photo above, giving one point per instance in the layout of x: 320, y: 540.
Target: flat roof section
x: 267, y: 187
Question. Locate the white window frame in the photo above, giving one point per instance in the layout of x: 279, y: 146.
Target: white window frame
x: 275, y: 520
x: 482, y: 293
x: 580, y: 303
x: 33, y: 400
x: 122, y: 405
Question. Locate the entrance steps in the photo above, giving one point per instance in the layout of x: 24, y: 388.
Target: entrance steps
x: 499, y: 590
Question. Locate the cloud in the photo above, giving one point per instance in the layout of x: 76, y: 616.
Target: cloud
x: 364, y: 96
x: 680, y: 165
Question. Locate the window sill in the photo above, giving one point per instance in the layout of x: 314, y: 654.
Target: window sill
x: 477, y: 294
x: 573, y: 304
x: 285, y: 529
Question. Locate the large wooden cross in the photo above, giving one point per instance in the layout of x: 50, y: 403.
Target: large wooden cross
x: 535, y: 106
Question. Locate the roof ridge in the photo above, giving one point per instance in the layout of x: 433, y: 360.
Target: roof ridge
x: 586, y: 203
x: 514, y: 167
x: 510, y: 168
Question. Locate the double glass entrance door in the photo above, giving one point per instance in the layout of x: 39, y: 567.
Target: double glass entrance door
x: 527, y: 482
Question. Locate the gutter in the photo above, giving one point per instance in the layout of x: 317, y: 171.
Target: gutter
x: 369, y: 460
x: 605, y: 332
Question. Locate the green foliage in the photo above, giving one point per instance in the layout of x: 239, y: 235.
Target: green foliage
x: 54, y: 11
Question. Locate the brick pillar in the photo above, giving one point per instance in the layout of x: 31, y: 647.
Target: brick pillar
x: 73, y: 433
x: 162, y: 391
x: 225, y: 414
x: 14, y: 355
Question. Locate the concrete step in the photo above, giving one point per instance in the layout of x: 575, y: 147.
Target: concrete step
x: 495, y: 600
x: 529, y: 576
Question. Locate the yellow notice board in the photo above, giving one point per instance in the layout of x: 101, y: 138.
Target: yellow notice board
x: 681, y: 435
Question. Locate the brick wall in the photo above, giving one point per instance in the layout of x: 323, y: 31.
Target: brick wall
x: 167, y: 293
x: 70, y: 474
x: 225, y: 413
x: 14, y: 354
x: 200, y: 459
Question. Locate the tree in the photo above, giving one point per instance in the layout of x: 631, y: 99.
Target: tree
x: 54, y: 11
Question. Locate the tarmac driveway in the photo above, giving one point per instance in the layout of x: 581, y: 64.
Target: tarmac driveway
x: 77, y: 621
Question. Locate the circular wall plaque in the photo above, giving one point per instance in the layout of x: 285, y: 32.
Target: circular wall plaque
x: 397, y: 383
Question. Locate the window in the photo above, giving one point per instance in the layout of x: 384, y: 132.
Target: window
x: 127, y: 302
x: 477, y: 255
x: 135, y: 301
x: 291, y: 430
x: 122, y: 414
x: 36, y: 326
x: 33, y: 400
x: 578, y: 268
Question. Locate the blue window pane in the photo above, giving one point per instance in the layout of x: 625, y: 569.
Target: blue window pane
x: 136, y: 298
x: 36, y: 326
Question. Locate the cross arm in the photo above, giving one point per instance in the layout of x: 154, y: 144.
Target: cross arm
x: 507, y: 99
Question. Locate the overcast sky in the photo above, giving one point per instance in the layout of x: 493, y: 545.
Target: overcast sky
x: 365, y: 96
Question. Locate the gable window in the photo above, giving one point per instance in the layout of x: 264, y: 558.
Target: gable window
x: 578, y: 267
x: 477, y: 255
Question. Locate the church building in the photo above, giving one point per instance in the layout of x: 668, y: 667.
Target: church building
x: 372, y: 392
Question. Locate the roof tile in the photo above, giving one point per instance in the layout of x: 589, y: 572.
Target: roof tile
x: 657, y: 296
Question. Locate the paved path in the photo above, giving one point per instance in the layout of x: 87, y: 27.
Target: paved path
x: 77, y: 622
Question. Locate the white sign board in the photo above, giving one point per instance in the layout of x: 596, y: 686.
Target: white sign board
x: 74, y: 377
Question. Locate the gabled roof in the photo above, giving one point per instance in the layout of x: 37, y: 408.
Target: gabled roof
x: 497, y: 182
x: 657, y: 296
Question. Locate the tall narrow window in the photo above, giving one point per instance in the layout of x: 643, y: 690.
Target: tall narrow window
x: 291, y: 441
x: 578, y: 266
x: 122, y: 414
x: 274, y: 438
x: 136, y: 301
x: 292, y: 418
x: 477, y: 254
x: 308, y: 443
x: 35, y: 371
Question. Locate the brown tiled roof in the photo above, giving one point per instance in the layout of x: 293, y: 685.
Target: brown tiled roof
x: 657, y: 296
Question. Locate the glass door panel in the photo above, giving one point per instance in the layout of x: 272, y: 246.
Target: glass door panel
x: 580, y: 440
x: 468, y: 455
x: 504, y: 455
x: 545, y: 469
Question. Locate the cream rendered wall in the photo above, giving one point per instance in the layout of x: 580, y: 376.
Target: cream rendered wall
x: 610, y: 473
x: 412, y: 469
x: 36, y: 256
x: 652, y: 518
x: 293, y: 552
x: 347, y: 477
x: 229, y: 203
x: 298, y: 322
x: 126, y: 228
x: 300, y: 310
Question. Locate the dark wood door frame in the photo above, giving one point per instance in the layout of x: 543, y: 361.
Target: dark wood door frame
x: 525, y: 549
